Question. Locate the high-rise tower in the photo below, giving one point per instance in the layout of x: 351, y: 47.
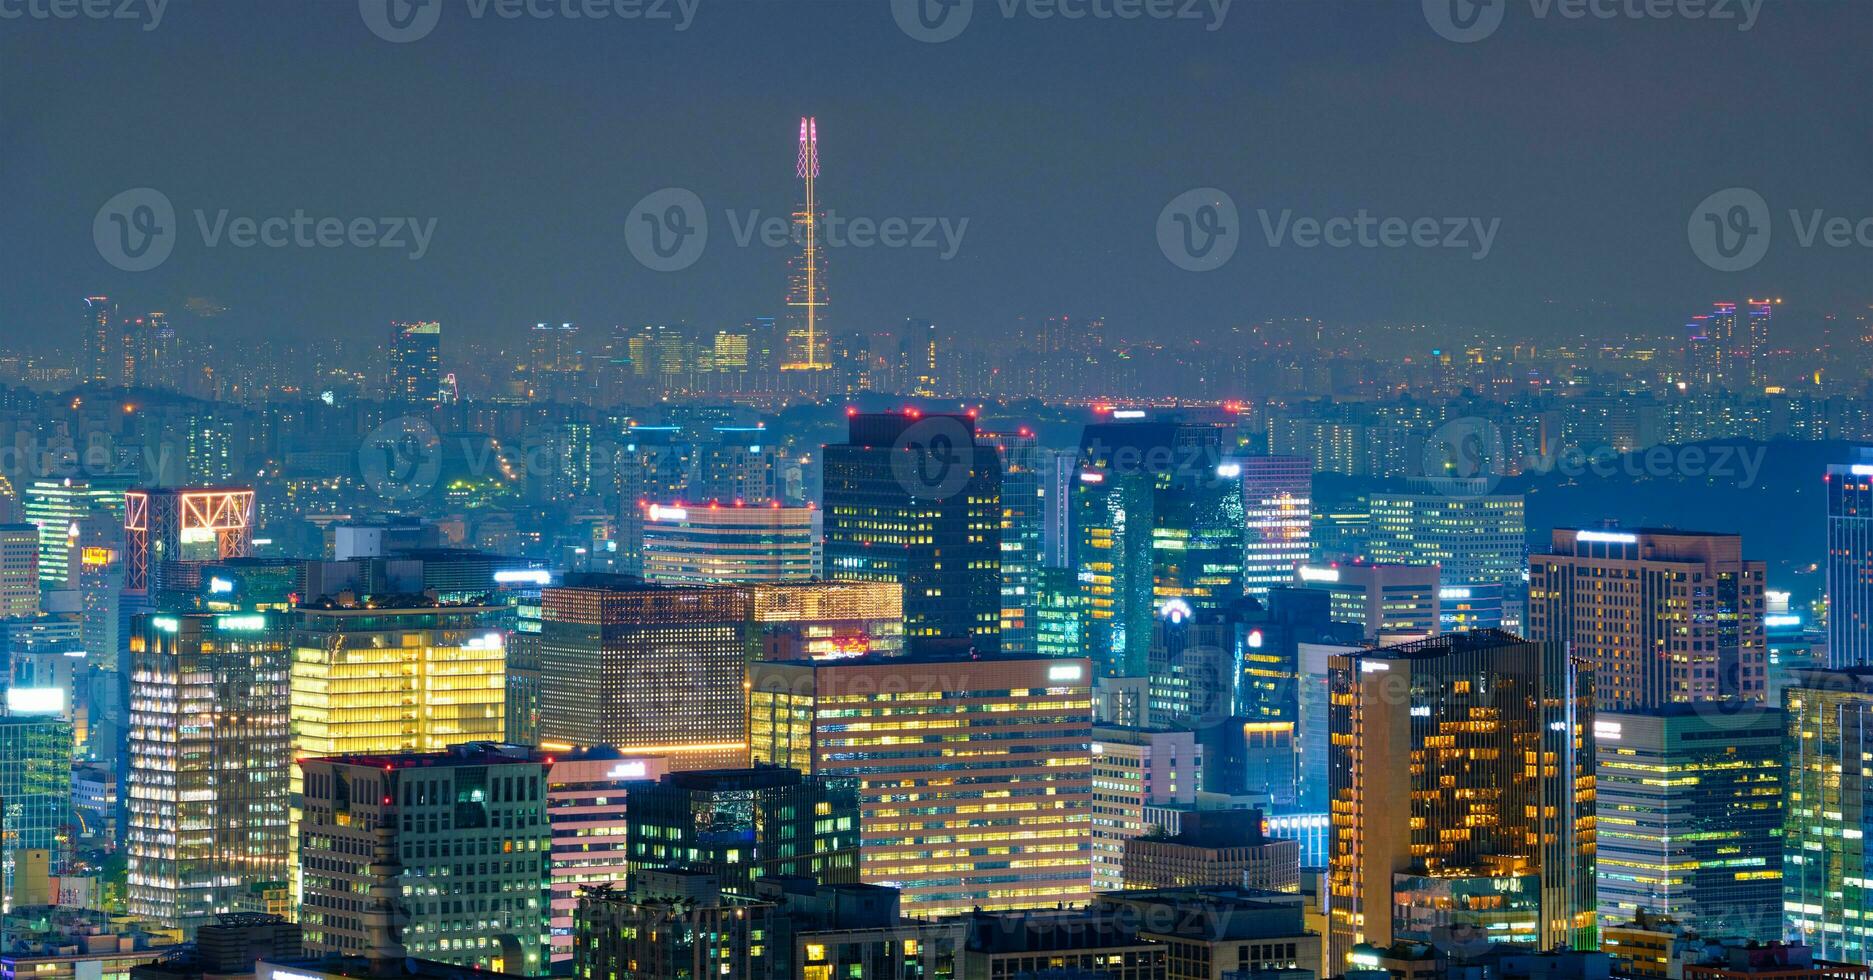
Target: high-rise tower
x: 806, y: 292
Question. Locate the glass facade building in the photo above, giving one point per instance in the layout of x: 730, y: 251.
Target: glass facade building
x: 1690, y: 818
x: 1462, y: 767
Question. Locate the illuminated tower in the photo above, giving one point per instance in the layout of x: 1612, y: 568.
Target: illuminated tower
x: 168, y: 527
x: 807, y: 287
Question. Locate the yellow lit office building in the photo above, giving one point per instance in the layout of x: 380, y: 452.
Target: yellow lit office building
x: 974, y: 775
x: 1461, y: 774
x: 391, y: 674
x: 399, y: 674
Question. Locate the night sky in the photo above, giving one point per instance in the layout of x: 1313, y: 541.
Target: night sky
x: 528, y: 141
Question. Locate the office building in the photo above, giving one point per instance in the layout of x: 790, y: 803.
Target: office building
x: 1462, y: 794
x: 415, y: 363
x: 1220, y: 933
x: 57, y: 507
x: 1382, y: 599
x: 1474, y: 540
x: 1023, y: 535
x: 1825, y: 867
x: 36, y: 788
x: 19, y: 570
x: 1277, y: 502
x: 1668, y: 616
x: 468, y: 828
x: 1102, y: 942
x: 1214, y: 849
x: 917, y: 500
x: 1690, y: 818
x: 1134, y: 769
x: 646, y: 670
x: 1157, y: 519
x: 1016, y: 832
x: 741, y: 825
x: 724, y: 544
x: 586, y: 792
x: 826, y: 620
x: 209, y: 763
x: 1850, y: 561
x: 395, y: 673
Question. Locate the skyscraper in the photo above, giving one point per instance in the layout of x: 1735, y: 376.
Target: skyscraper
x: 1850, y: 561
x: 1023, y: 515
x: 36, y: 785
x: 1690, y: 818
x: 995, y: 812
x: 1462, y: 787
x: 1277, y: 494
x: 415, y: 363
x: 806, y: 291
x: 885, y: 521
x: 647, y: 670
x: 210, y: 763
x: 1668, y: 616
x: 1157, y: 519
x: 1827, y: 874
x: 1399, y: 600
x: 97, y: 337
x: 57, y: 508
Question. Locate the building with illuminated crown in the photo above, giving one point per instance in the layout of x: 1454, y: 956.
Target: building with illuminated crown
x: 1461, y: 777
x: 974, y: 775
x: 826, y: 620
x: 167, y: 526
